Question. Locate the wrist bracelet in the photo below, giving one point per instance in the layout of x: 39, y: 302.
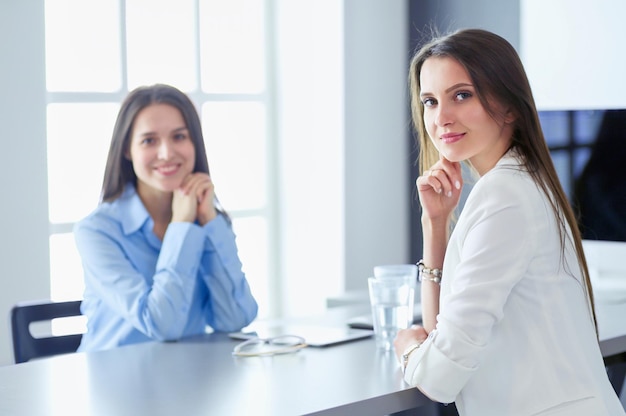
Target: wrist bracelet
x: 427, y: 273
x: 407, y: 353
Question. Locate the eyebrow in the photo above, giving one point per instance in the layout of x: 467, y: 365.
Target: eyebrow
x: 176, y: 130
x: 454, y: 87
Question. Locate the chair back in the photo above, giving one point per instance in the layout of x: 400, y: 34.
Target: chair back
x: 25, y: 345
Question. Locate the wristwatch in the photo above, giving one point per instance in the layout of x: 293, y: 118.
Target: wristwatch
x: 407, y: 353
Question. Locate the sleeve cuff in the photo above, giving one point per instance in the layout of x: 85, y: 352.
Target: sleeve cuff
x: 181, y: 248
x: 440, y: 378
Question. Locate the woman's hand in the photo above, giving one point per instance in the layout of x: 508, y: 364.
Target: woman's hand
x: 206, y: 195
x: 407, y: 337
x: 194, y: 199
x: 439, y: 189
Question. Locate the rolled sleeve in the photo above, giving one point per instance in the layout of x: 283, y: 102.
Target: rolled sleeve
x: 437, y: 376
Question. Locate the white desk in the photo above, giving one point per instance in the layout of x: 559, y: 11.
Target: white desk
x: 199, y: 376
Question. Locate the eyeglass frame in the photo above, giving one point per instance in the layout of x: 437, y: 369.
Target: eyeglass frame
x: 271, y: 341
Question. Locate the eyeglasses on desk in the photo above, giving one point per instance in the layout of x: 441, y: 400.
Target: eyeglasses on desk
x: 257, y: 347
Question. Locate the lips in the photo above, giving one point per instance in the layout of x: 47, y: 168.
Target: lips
x: 449, y: 138
x: 167, y: 170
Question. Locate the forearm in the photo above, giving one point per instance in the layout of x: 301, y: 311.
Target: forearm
x: 231, y: 305
x: 435, y: 239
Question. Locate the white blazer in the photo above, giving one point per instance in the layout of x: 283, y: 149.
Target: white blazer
x: 514, y: 333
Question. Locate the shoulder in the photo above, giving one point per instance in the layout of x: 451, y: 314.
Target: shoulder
x: 509, y: 180
x: 508, y: 192
x: 124, y: 214
x: 105, y: 217
x: 505, y: 183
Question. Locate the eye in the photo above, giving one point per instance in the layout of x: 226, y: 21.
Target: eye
x: 147, y: 141
x: 429, y: 102
x: 180, y: 135
x: 462, y: 95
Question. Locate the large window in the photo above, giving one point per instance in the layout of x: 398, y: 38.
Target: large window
x: 214, y: 50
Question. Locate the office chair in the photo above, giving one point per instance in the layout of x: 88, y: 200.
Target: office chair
x: 25, y: 345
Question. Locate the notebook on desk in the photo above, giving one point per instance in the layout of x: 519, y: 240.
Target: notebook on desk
x: 314, y: 335
x: 366, y: 321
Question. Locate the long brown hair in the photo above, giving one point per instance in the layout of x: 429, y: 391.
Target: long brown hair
x: 497, y: 73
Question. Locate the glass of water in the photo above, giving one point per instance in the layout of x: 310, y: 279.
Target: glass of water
x: 392, y: 295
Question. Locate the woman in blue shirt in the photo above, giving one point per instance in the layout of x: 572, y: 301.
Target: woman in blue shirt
x: 158, y: 253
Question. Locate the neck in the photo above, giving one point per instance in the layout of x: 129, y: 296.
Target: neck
x: 157, y: 203
x: 484, y: 162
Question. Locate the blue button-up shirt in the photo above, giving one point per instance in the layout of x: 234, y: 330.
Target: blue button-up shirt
x: 139, y: 288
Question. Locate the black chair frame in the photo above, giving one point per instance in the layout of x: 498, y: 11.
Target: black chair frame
x: 25, y: 345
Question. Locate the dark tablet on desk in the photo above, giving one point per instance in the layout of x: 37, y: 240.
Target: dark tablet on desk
x: 314, y: 335
x: 366, y: 321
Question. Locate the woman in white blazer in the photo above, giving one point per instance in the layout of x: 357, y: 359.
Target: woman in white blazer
x: 508, y: 318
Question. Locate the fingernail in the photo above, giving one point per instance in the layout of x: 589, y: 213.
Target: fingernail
x: 457, y: 185
x: 449, y: 193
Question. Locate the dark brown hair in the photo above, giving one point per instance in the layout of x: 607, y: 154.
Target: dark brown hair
x: 498, y: 74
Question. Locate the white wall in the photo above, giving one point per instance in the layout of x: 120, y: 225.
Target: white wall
x: 573, y: 51
x: 24, y: 211
x: 377, y: 128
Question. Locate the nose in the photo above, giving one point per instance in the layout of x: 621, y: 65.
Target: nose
x: 444, y: 115
x: 165, y: 149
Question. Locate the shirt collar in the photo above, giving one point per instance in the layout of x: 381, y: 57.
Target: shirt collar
x: 135, y: 213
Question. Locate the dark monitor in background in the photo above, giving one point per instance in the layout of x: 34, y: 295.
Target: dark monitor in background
x: 589, y: 152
